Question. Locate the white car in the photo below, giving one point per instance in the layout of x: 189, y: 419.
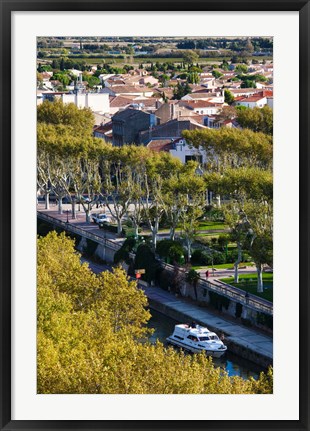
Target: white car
x: 100, y: 218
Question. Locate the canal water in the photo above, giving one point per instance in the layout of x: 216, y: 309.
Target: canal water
x: 235, y: 366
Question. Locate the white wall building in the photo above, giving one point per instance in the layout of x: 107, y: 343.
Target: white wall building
x: 183, y: 152
x: 98, y: 102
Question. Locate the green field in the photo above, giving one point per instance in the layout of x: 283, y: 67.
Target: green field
x: 248, y: 283
x: 135, y: 61
x: 223, y: 266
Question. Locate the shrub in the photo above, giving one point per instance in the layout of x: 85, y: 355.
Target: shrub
x: 219, y: 258
x: 145, y: 259
x: 213, y: 241
x: 170, y: 249
x: 232, y: 256
x: 223, y: 241
x: 200, y: 257
x: 122, y: 255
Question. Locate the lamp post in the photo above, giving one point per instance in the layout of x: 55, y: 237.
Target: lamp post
x: 67, y: 217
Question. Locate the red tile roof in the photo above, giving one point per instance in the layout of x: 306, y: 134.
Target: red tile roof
x: 120, y: 101
x: 160, y: 145
x: 199, y: 104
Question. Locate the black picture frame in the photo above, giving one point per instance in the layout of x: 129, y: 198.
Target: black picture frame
x: 7, y: 7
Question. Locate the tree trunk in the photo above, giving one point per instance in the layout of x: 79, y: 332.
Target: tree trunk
x: 60, y: 205
x: 87, y: 214
x: 188, y: 244
x: 73, y: 209
x: 154, y: 238
x: 47, y: 200
x: 119, y: 225
x: 172, y: 233
x: 136, y: 229
x: 210, y: 198
x: 260, y: 286
x: 237, y: 263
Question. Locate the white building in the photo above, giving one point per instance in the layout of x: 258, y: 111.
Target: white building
x: 97, y: 102
x: 183, y: 152
x: 252, y: 101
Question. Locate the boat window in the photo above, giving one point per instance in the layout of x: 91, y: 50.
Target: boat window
x: 204, y: 338
x: 180, y: 338
x: 214, y: 337
x: 191, y: 337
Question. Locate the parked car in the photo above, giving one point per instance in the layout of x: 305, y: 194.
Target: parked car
x: 100, y: 218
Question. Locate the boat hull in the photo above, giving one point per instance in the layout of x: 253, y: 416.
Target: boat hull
x: 214, y: 353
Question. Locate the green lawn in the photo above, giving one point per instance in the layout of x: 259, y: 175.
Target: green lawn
x: 222, y: 266
x: 250, y: 284
x: 209, y: 225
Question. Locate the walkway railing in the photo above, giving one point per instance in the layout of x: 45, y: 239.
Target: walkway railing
x: 231, y: 292
x: 82, y: 232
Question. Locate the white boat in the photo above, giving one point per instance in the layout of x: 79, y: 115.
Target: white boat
x: 196, y: 338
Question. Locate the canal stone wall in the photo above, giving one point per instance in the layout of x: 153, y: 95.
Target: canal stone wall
x: 102, y: 251
x: 236, y: 306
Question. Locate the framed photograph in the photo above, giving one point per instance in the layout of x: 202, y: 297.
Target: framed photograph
x: 143, y: 74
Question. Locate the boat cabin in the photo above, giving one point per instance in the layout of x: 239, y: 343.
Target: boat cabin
x: 197, y: 333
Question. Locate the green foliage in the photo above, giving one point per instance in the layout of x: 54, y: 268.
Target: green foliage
x: 123, y: 253
x: 181, y: 90
x: 200, y: 257
x: 170, y: 249
x: 190, y: 57
x: 241, y: 68
x: 192, y: 277
x: 227, y: 148
x: 257, y: 119
x: 223, y: 240
x: 216, y: 74
x: 79, y: 121
x: 62, y: 77
x: 91, y: 80
x: 248, y: 83
x: 229, y: 97
x: 145, y: 259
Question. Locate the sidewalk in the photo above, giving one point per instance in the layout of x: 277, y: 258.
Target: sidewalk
x: 239, y: 334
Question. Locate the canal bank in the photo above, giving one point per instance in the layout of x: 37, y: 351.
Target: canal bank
x: 244, y: 342
x: 234, y: 365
